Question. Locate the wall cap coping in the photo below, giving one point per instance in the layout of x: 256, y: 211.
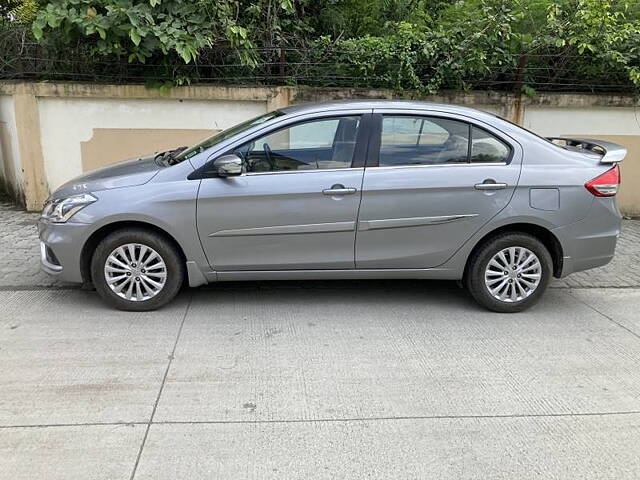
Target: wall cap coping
x: 301, y: 94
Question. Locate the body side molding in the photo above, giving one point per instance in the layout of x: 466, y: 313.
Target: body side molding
x: 410, y: 221
x: 287, y: 229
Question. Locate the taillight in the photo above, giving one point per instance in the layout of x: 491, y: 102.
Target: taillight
x: 605, y: 185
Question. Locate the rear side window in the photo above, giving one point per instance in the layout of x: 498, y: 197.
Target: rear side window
x: 423, y: 141
x: 409, y: 140
x: 486, y: 148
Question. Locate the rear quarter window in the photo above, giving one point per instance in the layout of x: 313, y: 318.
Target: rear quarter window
x: 487, y: 148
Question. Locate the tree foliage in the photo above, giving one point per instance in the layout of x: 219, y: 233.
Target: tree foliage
x: 481, y: 38
x: 21, y: 11
x: 142, y: 29
x: 422, y: 45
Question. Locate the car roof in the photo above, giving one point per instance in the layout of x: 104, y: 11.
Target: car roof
x: 489, y: 118
x: 399, y: 104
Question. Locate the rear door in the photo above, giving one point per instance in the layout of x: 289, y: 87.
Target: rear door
x: 296, y: 204
x: 431, y: 181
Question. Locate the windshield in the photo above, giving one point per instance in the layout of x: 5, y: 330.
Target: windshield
x: 224, y: 135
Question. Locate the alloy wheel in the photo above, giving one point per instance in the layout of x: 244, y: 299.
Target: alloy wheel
x: 513, y: 274
x: 135, y: 272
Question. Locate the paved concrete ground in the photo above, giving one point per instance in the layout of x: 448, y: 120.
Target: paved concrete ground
x: 367, y: 380
x: 401, y: 379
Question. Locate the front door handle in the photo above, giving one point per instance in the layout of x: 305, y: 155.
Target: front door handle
x: 490, y: 184
x: 339, y: 189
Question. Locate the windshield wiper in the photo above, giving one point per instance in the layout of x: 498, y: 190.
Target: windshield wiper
x: 169, y: 156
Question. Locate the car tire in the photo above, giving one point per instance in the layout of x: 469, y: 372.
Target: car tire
x: 138, y: 270
x: 509, y: 272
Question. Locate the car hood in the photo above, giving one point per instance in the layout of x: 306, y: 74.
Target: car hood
x: 127, y: 173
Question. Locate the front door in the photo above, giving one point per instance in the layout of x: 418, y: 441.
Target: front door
x: 294, y: 207
x: 436, y: 181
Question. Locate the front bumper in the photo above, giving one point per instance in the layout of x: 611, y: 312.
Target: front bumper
x: 61, y: 249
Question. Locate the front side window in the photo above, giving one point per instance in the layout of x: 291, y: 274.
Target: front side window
x: 317, y: 144
x: 409, y: 140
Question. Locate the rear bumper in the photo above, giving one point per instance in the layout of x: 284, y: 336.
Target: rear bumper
x: 591, y: 242
x: 61, y: 249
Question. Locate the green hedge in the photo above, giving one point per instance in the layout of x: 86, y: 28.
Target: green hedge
x: 407, y: 45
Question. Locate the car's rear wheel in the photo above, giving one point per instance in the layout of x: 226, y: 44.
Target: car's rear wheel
x: 135, y: 269
x: 509, y: 272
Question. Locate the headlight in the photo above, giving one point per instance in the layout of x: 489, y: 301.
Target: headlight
x: 62, y: 209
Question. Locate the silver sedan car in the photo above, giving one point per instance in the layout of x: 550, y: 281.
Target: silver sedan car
x: 343, y: 190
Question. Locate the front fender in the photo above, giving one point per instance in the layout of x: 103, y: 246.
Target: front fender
x: 169, y: 206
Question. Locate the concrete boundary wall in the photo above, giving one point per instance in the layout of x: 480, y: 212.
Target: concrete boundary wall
x: 52, y: 132
x: 10, y: 171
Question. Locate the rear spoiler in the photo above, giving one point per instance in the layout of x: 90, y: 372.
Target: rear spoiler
x: 611, y: 152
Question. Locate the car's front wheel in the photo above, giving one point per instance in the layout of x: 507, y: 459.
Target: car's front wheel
x: 136, y: 269
x: 509, y: 273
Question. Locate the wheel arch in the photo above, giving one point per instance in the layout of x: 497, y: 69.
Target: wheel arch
x: 546, y: 236
x: 94, y: 239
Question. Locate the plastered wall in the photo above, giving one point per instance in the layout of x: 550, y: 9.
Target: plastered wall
x: 616, y: 124
x: 80, y: 134
x: 53, y: 132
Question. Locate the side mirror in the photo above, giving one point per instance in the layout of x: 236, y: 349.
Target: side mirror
x: 228, y: 165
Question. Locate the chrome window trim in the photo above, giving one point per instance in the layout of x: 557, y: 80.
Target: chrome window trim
x: 394, y: 167
x: 356, y: 169
x: 315, y: 170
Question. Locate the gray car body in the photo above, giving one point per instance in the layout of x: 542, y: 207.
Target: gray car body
x: 404, y: 222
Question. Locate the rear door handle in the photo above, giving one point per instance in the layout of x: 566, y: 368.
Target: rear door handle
x: 490, y: 184
x: 339, y: 189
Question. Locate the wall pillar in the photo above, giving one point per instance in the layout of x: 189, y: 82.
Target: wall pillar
x: 281, y: 99
x: 28, y: 132
x: 517, y: 116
